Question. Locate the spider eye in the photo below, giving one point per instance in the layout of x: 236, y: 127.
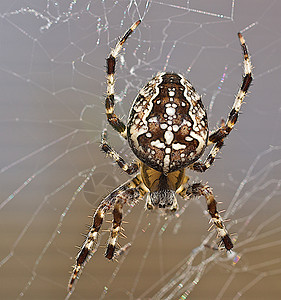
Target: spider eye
x: 162, y: 199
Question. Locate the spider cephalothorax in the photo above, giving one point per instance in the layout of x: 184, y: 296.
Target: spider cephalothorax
x: 168, y: 132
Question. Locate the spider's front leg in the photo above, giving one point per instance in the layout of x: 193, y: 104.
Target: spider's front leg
x: 197, y: 190
x: 112, y: 118
x: 217, y: 137
x: 131, y: 192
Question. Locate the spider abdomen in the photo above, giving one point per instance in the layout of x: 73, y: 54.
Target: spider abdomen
x: 167, y: 127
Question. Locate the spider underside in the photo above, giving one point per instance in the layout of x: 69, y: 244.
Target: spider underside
x: 167, y: 130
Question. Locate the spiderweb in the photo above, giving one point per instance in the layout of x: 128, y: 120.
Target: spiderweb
x: 53, y: 174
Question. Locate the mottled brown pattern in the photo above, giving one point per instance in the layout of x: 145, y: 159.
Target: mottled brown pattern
x: 149, y: 125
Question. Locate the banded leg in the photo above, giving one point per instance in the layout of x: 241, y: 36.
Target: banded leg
x: 87, y: 249
x: 112, y: 118
x: 130, y: 191
x: 197, y: 190
x: 217, y: 137
x: 134, y: 192
x: 115, y: 229
x: 105, y: 147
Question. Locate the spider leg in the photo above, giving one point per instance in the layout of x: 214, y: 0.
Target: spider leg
x: 116, y: 226
x: 197, y: 190
x: 217, y: 137
x: 131, y: 191
x: 133, y: 194
x: 112, y: 118
x: 105, y: 147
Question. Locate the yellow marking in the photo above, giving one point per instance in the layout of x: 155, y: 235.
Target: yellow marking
x: 124, y: 133
x: 176, y: 179
x: 110, y: 110
x: 151, y: 178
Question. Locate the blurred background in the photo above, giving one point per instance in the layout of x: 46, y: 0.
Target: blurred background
x: 53, y: 175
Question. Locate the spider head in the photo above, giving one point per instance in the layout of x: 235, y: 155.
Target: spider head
x: 161, y: 188
x: 162, y: 198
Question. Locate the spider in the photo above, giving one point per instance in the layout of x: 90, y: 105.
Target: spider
x: 167, y: 130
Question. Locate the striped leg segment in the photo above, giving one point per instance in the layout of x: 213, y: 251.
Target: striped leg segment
x: 112, y: 118
x: 217, y: 137
x: 105, y: 147
x: 115, y: 229
x: 130, y: 195
x: 197, y: 190
x: 87, y: 249
x: 131, y: 192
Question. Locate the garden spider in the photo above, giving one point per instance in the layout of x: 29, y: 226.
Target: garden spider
x: 168, y: 132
